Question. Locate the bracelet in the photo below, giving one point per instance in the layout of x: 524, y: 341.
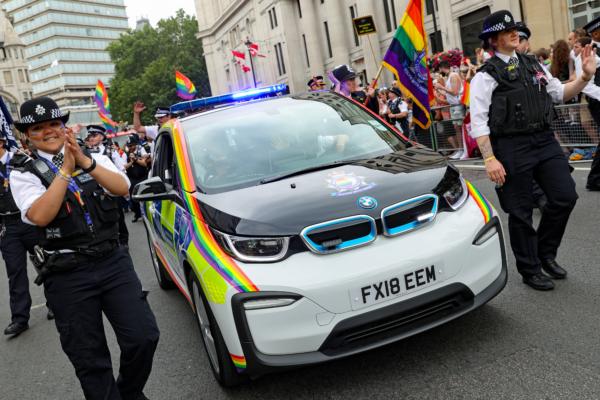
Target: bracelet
x: 489, y: 159
x: 64, y: 176
x: 91, y: 167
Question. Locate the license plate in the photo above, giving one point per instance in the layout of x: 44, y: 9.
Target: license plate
x: 400, y: 285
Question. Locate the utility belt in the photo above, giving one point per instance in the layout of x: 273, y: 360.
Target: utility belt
x: 47, y: 262
x: 10, y: 218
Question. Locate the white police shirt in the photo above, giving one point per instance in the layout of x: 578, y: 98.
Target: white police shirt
x: 26, y: 188
x: 151, y: 131
x: 482, y: 88
x: 590, y: 89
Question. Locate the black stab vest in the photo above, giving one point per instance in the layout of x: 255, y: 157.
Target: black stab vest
x: 521, y: 104
x: 69, y: 229
x: 7, y: 203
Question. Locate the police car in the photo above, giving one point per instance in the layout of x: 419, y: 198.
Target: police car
x: 303, y: 228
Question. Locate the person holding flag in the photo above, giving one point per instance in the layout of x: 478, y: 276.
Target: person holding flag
x: 16, y: 237
x: 511, y: 119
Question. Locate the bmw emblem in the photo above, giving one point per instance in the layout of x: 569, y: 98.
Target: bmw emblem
x: 367, y: 202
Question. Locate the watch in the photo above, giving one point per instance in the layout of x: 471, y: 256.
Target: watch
x: 91, y: 167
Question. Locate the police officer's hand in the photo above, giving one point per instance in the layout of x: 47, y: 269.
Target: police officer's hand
x: 69, y: 161
x: 588, y: 62
x: 75, y: 150
x: 495, y: 171
x: 138, y: 107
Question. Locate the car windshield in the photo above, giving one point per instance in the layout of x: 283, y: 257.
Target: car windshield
x: 243, y: 146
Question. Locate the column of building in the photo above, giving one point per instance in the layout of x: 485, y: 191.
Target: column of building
x: 370, y: 44
x: 337, y: 25
x: 309, y: 24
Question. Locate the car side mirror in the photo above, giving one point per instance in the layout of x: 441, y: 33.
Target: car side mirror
x: 153, y: 189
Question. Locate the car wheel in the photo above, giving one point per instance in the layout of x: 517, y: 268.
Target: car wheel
x: 163, y: 278
x: 214, y: 344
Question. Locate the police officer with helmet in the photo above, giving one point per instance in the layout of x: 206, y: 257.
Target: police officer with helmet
x: 511, y: 114
x: 16, y: 239
x: 593, y: 98
x: 70, y: 196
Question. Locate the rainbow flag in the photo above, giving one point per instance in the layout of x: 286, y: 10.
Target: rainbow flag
x: 464, y: 99
x: 101, y: 99
x: 407, y: 60
x: 185, y: 88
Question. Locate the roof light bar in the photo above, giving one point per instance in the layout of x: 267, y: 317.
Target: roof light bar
x: 245, y: 95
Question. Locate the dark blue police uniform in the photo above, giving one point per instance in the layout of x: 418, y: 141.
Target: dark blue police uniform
x: 17, y: 238
x: 87, y: 273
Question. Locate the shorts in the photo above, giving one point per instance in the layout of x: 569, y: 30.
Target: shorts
x: 457, y: 114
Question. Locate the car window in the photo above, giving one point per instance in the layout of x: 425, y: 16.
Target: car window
x: 164, y: 165
x: 241, y: 146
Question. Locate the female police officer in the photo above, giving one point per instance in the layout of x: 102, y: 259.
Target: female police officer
x: 68, y: 195
x: 511, y: 115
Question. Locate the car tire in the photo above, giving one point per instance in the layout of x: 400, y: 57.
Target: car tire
x: 214, y: 344
x: 163, y: 278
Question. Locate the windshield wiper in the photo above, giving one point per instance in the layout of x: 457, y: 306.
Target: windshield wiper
x: 306, y: 170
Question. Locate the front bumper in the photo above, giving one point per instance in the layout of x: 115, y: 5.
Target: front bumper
x: 371, y: 329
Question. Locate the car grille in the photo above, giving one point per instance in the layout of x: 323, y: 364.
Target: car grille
x: 340, y: 234
x: 398, y: 320
x: 409, y: 214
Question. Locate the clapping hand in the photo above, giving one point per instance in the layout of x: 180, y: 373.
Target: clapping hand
x: 74, y: 150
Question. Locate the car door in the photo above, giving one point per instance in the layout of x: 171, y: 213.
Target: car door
x: 163, y: 211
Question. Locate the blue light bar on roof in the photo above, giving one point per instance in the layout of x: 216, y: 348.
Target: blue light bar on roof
x: 230, y: 98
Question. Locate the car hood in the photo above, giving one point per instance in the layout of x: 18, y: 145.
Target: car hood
x: 287, y: 206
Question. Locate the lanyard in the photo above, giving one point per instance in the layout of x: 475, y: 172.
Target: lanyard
x: 76, y: 191
x: 5, y: 177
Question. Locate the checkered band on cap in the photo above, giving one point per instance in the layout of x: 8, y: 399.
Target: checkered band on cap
x: 56, y: 113
x: 499, y: 27
x: 28, y: 119
x: 593, y: 27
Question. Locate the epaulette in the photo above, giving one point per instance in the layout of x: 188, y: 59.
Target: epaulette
x: 20, y: 161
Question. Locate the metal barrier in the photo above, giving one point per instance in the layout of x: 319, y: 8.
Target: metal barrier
x: 573, y: 125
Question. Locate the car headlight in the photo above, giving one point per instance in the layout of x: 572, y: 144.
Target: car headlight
x: 253, y: 249
x: 457, y: 194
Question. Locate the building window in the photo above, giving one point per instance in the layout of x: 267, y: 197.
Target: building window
x: 390, y: 15
x: 299, y: 9
x: 280, y: 62
x: 305, y: 51
x: 429, y: 6
x: 352, y: 16
x: 435, y: 40
x: 21, y: 76
x: 581, y: 12
x: 273, y: 18
x: 470, y: 27
x: 328, y: 39
x: 8, y: 78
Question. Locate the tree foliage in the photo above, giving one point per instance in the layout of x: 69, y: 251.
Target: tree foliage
x: 145, y: 64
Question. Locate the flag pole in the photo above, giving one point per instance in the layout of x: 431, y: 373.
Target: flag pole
x: 248, y: 43
x: 374, y: 82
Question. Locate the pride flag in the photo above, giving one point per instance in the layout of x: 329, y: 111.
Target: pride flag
x: 185, y: 88
x: 464, y: 99
x: 101, y: 99
x: 407, y: 60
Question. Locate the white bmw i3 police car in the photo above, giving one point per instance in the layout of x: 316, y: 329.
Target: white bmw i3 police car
x: 303, y: 229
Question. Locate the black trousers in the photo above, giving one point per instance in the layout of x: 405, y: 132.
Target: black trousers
x: 123, y: 231
x: 135, y: 206
x: 593, y: 181
x: 18, y: 239
x: 525, y: 158
x: 78, y: 298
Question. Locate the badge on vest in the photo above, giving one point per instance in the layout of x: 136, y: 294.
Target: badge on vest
x: 53, y: 233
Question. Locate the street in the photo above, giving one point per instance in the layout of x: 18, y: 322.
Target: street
x: 524, y: 344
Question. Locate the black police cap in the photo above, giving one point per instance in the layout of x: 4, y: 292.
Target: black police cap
x: 497, y: 22
x: 39, y: 109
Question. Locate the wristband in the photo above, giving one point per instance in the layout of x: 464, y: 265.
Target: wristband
x: 490, y: 158
x: 64, y: 176
x: 91, y: 167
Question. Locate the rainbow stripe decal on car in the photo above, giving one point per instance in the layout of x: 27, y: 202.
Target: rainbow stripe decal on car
x: 238, y: 361
x: 482, y: 203
x: 202, y: 237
